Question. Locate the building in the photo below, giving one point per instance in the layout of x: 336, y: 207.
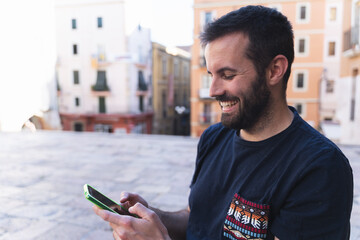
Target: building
x: 348, y: 87
x: 315, y: 23
x: 332, y: 48
x: 103, y: 77
x: 171, y: 90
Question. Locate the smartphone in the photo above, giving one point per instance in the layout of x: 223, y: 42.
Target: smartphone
x: 104, y: 202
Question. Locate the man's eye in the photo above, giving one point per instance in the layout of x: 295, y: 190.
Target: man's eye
x: 228, y: 77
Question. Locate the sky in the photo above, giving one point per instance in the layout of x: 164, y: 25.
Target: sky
x: 170, y: 21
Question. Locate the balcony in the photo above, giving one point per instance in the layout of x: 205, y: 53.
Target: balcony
x: 351, y: 42
x: 142, y: 88
x: 208, y: 117
x: 100, y: 85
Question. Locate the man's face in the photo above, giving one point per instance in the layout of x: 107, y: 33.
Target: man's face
x: 242, y: 94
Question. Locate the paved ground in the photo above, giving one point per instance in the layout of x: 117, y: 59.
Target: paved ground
x: 42, y: 175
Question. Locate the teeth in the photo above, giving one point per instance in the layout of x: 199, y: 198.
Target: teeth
x: 228, y: 103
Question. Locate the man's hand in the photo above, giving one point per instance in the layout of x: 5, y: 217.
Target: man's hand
x: 130, y: 199
x: 148, y: 226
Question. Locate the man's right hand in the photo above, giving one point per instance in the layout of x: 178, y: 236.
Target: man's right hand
x: 148, y: 226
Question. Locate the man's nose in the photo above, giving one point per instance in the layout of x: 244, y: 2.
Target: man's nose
x: 216, y: 88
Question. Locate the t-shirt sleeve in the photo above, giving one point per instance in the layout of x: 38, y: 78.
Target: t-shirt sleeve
x: 319, y: 205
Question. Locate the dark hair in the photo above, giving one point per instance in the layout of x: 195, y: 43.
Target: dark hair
x: 270, y: 34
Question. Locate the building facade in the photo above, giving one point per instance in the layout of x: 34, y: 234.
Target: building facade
x: 317, y: 38
x: 102, y: 77
x: 348, y: 87
x: 171, y: 90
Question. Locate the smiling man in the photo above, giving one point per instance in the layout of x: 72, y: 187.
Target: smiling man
x: 263, y: 172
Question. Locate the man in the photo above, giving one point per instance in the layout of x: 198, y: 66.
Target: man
x: 263, y: 173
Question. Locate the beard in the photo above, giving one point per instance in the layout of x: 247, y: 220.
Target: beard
x: 252, y: 106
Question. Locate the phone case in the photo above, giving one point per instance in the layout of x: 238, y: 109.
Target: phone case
x: 95, y: 201
x: 121, y: 209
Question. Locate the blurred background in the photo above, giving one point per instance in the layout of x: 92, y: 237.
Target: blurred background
x: 133, y: 66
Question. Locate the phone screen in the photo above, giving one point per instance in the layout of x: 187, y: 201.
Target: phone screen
x: 107, y: 201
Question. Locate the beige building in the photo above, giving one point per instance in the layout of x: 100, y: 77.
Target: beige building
x: 317, y: 37
x: 171, y: 90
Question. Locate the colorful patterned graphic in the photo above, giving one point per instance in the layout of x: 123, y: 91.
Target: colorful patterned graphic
x: 246, y: 220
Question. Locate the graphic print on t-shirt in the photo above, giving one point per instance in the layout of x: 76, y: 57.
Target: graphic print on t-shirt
x: 246, y: 220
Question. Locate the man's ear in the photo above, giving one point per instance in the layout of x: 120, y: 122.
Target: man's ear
x: 276, y: 70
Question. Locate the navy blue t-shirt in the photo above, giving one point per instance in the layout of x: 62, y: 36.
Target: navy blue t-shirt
x: 294, y: 185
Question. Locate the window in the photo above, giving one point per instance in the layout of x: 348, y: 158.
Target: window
x: 102, y: 106
x: 333, y: 14
x: 99, y: 22
x: 300, y: 80
x: 164, y: 66
x: 73, y: 24
x: 76, y: 77
x: 206, y: 81
x: 142, y: 86
x: 330, y: 86
x: 77, y: 101
x: 299, y: 108
x: 302, y: 46
x: 206, y: 17
x: 75, y: 49
x: 303, y: 13
x: 331, y: 50
x: 101, y: 82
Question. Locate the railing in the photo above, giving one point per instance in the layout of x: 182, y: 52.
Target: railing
x: 100, y: 88
x: 351, y: 38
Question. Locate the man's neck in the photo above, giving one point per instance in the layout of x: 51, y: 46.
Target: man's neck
x: 270, y: 124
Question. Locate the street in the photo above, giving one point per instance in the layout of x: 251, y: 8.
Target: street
x: 42, y: 176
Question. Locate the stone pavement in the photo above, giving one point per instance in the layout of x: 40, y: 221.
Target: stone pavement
x: 42, y: 176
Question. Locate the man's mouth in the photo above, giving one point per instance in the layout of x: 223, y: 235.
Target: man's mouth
x: 227, y: 105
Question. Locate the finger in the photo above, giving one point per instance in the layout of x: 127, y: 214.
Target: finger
x: 121, y: 232
x: 142, y: 211
x: 116, y: 237
x: 131, y: 197
x: 108, y: 216
x: 124, y: 196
